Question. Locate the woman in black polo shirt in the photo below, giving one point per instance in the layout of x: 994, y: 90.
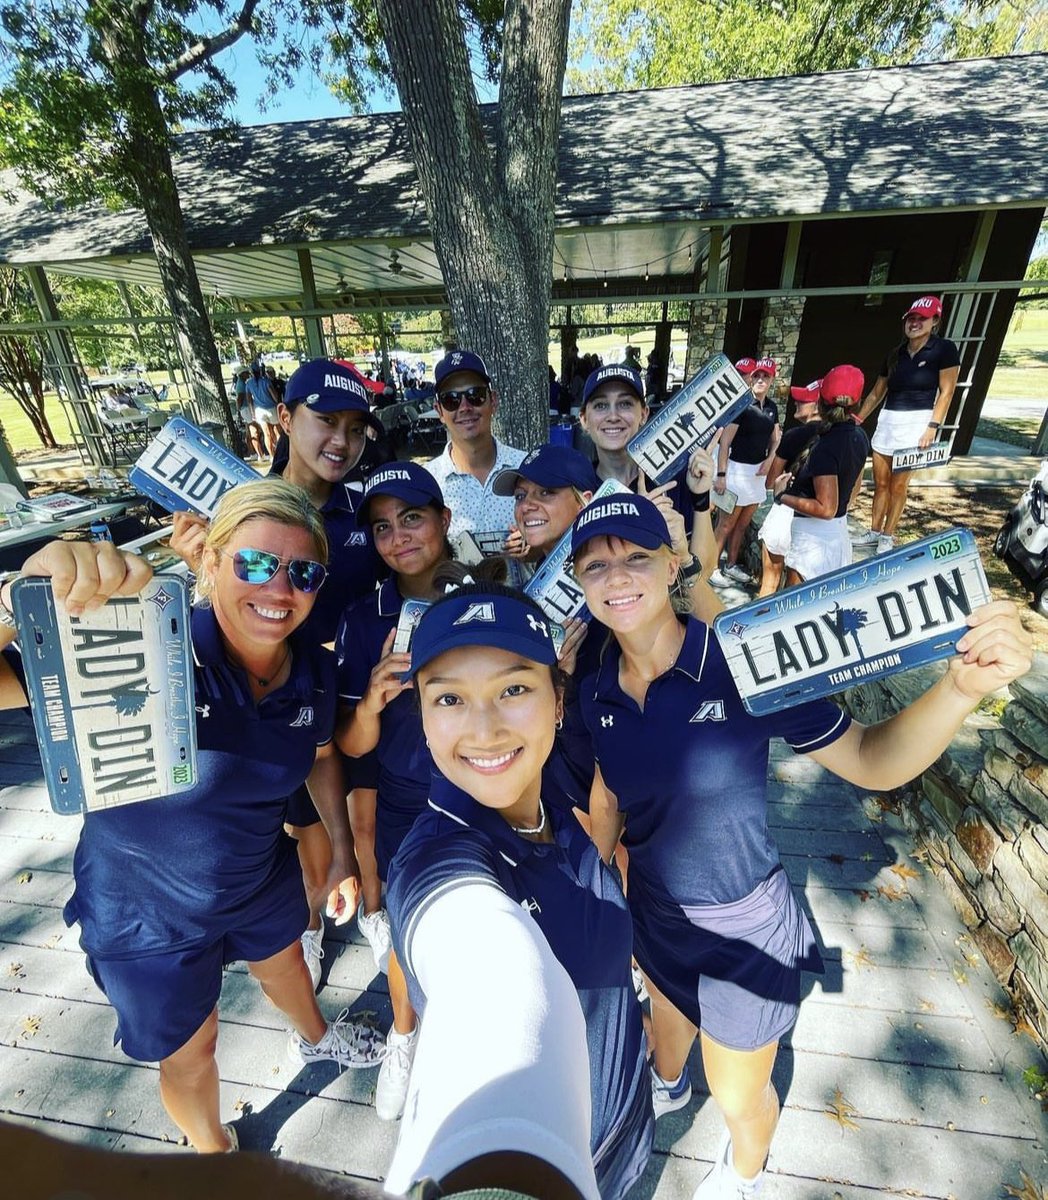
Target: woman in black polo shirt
x: 747, y: 448
x: 916, y: 383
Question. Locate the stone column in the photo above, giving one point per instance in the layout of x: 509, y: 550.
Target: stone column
x: 780, y: 333
x: 706, y: 327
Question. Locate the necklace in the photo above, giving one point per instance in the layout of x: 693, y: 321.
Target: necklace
x: 262, y: 682
x: 521, y: 829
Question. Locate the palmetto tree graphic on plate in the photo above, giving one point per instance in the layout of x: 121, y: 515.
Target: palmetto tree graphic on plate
x: 127, y: 698
x: 848, y: 622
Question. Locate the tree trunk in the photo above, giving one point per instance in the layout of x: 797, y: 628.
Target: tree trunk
x: 24, y: 379
x: 148, y: 162
x: 489, y: 187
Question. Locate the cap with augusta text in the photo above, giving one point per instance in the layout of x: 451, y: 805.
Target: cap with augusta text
x: 325, y: 386
x: 549, y: 466
x: 615, y: 371
x: 632, y: 518
x: 405, y: 481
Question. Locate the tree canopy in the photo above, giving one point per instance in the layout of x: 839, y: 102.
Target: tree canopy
x: 623, y: 44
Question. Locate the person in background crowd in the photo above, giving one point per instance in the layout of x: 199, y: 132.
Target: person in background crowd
x: 745, y: 368
x: 256, y: 439
x: 264, y: 398
x: 746, y: 452
x: 916, y: 384
x: 776, y: 530
x: 378, y: 715
x: 171, y: 890
x: 819, y: 489
x: 717, y: 929
x: 466, y: 403
x: 485, y: 671
x: 277, y: 383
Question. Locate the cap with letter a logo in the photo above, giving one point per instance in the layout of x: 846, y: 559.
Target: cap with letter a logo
x: 474, y: 616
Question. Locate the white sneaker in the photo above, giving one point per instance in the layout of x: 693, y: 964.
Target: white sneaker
x: 739, y: 574
x: 668, y: 1097
x: 869, y: 538
x: 885, y: 542
x: 724, y: 1182
x: 391, y: 1091
x: 719, y: 579
x: 234, y: 1140
x: 313, y: 951
x: 346, y: 1043
x: 375, y: 927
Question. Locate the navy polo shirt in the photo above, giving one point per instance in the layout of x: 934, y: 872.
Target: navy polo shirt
x: 183, y: 869
x: 12, y: 655
x: 404, y: 762
x: 913, y: 383
x: 794, y: 440
x: 753, y: 436
x: 354, y: 566
x: 568, y: 774
x: 690, y: 771
x: 572, y: 897
x: 841, y: 451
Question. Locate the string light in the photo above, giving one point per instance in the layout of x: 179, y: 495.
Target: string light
x: 645, y: 272
x: 627, y: 271
x: 605, y: 279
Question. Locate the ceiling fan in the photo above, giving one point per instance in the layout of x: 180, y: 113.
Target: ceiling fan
x: 343, y: 292
x: 396, y: 267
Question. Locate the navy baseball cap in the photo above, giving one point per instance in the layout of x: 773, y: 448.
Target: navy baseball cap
x: 326, y: 386
x: 460, y: 360
x: 632, y: 518
x: 406, y: 481
x: 616, y: 371
x: 549, y: 466
x: 475, y: 617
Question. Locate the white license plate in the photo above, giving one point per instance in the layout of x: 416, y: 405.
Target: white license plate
x: 710, y: 400
x: 725, y: 500
x: 916, y: 459
x: 183, y: 469
x: 410, y: 614
x: 888, y: 614
x: 111, y: 693
x: 553, y: 586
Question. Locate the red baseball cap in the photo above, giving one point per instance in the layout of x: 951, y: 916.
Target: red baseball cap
x: 843, y: 385
x: 926, y: 306
x: 745, y: 366
x: 809, y: 394
x: 767, y: 365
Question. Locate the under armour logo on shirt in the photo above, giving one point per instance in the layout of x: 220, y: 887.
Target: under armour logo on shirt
x: 709, y: 710
x: 477, y: 612
x: 607, y: 722
x: 204, y: 710
x: 530, y: 906
x: 538, y: 626
x: 304, y: 718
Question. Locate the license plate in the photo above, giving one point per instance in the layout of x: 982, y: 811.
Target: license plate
x: 410, y: 614
x: 553, y: 586
x: 182, y: 468
x: 473, y: 545
x: 725, y: 500
x: 111, y: 693
x: 916, y: 459
x: 706, y: 403
x: 891, y: 613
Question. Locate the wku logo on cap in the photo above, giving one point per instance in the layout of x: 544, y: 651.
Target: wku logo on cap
x: 929, y: 302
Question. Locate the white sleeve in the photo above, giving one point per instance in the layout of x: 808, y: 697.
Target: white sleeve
x: 502, y: 1062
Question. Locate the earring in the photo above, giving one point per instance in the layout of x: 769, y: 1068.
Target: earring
x: 559, y: 724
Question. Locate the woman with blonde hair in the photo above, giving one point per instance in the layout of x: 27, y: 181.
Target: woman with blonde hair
x: 171, y: 890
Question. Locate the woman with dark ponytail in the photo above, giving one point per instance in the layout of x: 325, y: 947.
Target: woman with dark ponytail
x: 819, y: 487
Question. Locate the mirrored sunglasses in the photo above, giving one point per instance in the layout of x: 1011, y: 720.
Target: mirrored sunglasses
x: 475, y: 397
x: 259, y: 566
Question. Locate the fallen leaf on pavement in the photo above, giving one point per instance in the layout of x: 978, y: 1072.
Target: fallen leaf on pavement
x: 905, y: 871
x: 1029, y: 1190
x: 841, y: 1111
x: 30, y: 1027
x: 861, y: 958
x: 24, y: 876
x: 891, y: 892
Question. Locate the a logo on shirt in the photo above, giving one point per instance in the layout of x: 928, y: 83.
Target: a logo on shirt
x: 304, y: 718
x: 204, y: 710
x: 709, y: 710
x: 360, y: 538
x: 483, y: 611
x: 530, y: 906
x: 538, y: 625
x: 607, y: 722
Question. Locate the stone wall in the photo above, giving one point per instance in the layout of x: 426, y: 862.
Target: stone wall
x: 781, y: 331
x: 981, y: 813
x: 706, y: 330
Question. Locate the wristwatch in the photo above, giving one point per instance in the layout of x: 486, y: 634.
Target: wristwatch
x: 7, y: 617
x: 934, y: 424
x: 690, y: 573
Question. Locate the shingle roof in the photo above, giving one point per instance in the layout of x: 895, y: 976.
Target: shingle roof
x: 930, y: 136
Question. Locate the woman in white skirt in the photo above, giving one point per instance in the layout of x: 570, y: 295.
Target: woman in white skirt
x: 747, y: 448
x: 820, y: 490
x: 916, y: 383
x: 777, y: 528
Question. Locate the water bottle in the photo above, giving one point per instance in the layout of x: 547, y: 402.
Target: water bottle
x: 100, y: 532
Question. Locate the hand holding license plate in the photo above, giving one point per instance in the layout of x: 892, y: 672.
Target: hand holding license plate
x: 706, y: 403
x: 879, y: 617
x: 553, y: 586
x: 111, y: 693
x: 182, y: 468
x: 916, y: 459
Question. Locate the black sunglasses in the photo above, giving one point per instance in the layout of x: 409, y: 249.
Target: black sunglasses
x: 475, y: 397
x: 259, y: 566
